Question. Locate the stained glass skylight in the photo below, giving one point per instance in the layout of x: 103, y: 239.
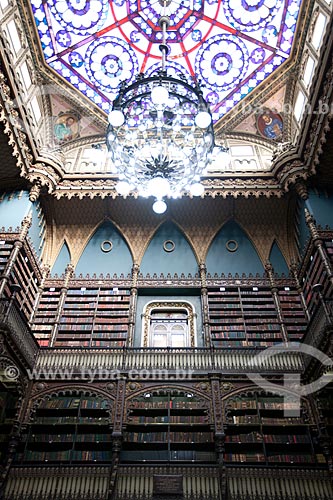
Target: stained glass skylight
x: 230, y: 46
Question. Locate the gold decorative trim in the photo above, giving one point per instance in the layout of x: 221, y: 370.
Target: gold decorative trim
x: 168, y: 305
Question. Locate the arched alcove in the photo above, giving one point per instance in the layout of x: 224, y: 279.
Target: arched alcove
x: 63, y: 259
x: 169, y: 252
x: 231, y: 251
x: 277, y: 260
x: 106, y: 252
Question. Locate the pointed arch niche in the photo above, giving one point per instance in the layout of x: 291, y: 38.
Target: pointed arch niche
x: 169, y: 324
x: 106, y: 252
x: 61, y: 262
x: 277, y: 260
x: 232, y: 252
x: 169, y: 252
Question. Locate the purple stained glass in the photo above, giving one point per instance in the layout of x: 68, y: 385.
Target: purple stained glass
x: 230, y: 46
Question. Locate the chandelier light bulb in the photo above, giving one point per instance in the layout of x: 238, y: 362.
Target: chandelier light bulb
x: 203, y: 119
x: 158, y: 186
x: 123, y: 188
x: 160, y: 95
x: 197, y: 189
x: 159, y: 207
x: 116, y: 118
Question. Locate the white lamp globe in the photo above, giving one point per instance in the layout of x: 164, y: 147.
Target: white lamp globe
x: 123, y: 188
x: 116, y: 118
x: 197, y: 189
x: 159, y: 207
x: 203, y: 119
x: 160, y: 95
x: 158, y: 186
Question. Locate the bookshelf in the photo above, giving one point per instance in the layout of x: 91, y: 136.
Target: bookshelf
x: 292, y: 313
x: 170, y: 426
x: 70, y: 429
x: 5, y: 249
x: 325, y: 407
x: 45, y: 316
x: 91, y: 316
x: 314, y: 272
x: 243, y: 316
x: 8, y: 410
x: 258, y: 431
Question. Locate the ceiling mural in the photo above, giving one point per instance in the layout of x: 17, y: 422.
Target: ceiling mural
x: 230, y: 46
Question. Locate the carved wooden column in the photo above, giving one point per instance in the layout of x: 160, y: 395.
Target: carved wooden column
x: 319, y: 245
x: 132, y: 306
x: 270, y: 273
x: 63, y: 293
x: 45, y: 271
x: 219, y: 434
x: 117, y: 436
x: 25, y: 226
x: 293, y: 269
x: 204, y: 304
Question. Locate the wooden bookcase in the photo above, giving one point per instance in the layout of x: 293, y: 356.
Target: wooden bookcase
x: 243, y: 316
x: 8, y: 410
x: 5, y: 249
x: 257, y: 431
x: 168, y: 427
x: 45, y: 315
x: 91, y: 317
x: 70, y: 429
x: 292, y: 313
x: 314, y: 272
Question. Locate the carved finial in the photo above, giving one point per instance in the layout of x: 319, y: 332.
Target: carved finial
x: 311, y: 223
x: 25, y: 226
x: 68, y: 273
x: 301, y: 189
x: 35, y: 191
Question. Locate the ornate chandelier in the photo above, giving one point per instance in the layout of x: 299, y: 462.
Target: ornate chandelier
x: 160, y: 136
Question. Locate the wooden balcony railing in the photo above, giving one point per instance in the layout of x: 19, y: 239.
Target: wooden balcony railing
x: 155, y: 361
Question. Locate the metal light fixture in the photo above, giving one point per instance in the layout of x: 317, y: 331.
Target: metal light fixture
x: 160, y: 136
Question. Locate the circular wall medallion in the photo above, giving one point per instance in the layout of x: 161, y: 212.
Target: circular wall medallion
x: 169, y: 246
x: 106, y: 246
x: 231, y: 245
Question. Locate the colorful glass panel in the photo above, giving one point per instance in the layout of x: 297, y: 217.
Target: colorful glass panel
x: 230, y: 46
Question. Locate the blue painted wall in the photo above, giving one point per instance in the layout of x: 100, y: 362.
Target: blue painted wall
x: 14, y: 207
x: 143, y: 301
x: 157, y: 260
x: 63, y: 259
x: 37, y: 230
x: 320, y: 204
x: 244, y: 260
x: 277, y: 260
x: 94, y: 261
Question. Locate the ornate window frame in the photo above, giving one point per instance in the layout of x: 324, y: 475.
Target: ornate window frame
x: 170, y: 305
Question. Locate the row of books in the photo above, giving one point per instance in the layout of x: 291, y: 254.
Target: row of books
x: 169, y: 419
x: 67, y: 455
x: 165, y: 455
x: 255, y: 419
x: 257, y: 437
x: 69, y: 419
x: 173, y: 437
x: 164, y: 404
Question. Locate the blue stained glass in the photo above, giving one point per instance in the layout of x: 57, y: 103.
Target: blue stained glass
x: 230, y: 45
